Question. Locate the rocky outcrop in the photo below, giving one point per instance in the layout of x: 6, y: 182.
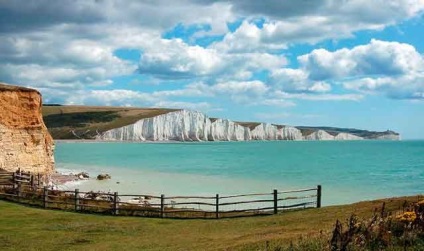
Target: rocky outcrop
x: 186, y: 125
x: 347, y: 136
x: 227, y: 130
x: 388, y: 135
x: 104, y: 177
x: 319, y: 135
x: 25, y: 142
x: 290, y: 133
x: 323, y: 135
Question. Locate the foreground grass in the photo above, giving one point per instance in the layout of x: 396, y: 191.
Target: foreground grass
x: 24, y: 228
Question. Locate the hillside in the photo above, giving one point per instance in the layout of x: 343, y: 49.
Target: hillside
x: 335, y: 130
x: 88, y: 122
x: 85, y: 122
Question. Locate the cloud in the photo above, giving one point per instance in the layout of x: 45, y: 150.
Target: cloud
x: 291, y: 22
x: 409, y: 86
x: 173, y: 58
x: 319, y: 97
x: 58, y: 59
x: 274, y: 102
x: 391, y: 68
x: 110, y: 98
x: 197, y: 106
x: 296, y: 80
x: 18, y: 15
x: 284, y: 116
x: 234, y: 90
x: 247, y: 38
x: 68, y: 48
x: 251, y: 93
x: 376, y: 58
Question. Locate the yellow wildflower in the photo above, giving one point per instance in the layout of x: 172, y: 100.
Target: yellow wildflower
x: 407, y: 217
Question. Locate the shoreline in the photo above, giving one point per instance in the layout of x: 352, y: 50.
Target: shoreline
x: 127, y: 141
x: 94, y: 141
x: 151, y: 183
x: 210, y: 169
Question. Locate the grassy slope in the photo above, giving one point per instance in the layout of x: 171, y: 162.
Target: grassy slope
x: 335, y: 130
x: 23, y: 228
x: 86, y: 121
x: 86, y: 127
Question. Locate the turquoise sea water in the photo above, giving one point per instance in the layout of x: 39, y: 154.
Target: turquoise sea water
x: 349, y: 171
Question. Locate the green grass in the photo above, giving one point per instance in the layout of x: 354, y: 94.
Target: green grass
x: 25, y: 228
x: 64, y: 122
x: 80, y: 119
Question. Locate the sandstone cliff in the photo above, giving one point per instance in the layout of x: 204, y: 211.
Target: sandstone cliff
x: 24, y: 140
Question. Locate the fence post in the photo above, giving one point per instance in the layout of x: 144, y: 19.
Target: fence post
x: 76, y: 199
x: 31, y: 180
x: 14, y: 181
x: 45, y: 195
x: 319, y: 191
x: 275, y: 201
x: 115, y: 203
x: 19, y: 192
x: 162, y: 205
x: 38, y: 179
x: 217, y: 206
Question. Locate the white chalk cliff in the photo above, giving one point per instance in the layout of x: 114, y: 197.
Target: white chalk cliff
x: 187, y: 125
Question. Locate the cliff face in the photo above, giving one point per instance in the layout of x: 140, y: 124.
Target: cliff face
x: 319, y: 135
x: 195, y: 126
x: 25, y: 142
x: 390, y: 136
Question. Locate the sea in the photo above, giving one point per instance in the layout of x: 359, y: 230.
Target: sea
x: 348, y: 171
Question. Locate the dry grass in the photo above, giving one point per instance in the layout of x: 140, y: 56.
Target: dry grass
x: 24, y: 228
x: 124, y: 116
x: 250, y: 125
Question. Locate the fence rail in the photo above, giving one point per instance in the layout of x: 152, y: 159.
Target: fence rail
x: 27, y: 188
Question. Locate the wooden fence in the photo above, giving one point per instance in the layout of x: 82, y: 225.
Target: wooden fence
x: 27, y: 189
x: 20, y: 178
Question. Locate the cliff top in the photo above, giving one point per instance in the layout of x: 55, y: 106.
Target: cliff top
x: 7, y: 87
x: 73, y: 122
x: 85, y: 122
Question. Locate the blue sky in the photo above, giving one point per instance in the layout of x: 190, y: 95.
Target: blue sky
x: 352, y: 63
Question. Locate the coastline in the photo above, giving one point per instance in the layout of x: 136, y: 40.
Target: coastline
x: 209, y: 169
x: 125, y: 141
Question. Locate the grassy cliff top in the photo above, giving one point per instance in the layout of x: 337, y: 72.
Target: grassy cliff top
x: 73, y: 122
x: 306, y: 130
x: 7, y: 87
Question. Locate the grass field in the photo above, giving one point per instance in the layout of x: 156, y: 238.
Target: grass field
x: 73, y: 122
x: 25, y: 228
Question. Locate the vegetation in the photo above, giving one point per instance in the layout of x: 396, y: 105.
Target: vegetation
x: 251, y: 125
x: 85, y: 122
x: 79, y: 119
x: 306, y: 130
x: 24, y: 228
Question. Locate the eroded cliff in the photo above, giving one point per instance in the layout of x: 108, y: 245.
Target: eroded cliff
x: 25, y: 142
x: 186, y: 125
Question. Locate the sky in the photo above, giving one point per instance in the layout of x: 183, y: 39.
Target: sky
x: 344, y: 63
